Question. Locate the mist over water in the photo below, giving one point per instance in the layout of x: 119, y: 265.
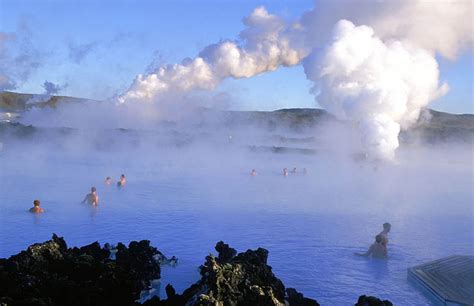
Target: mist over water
x: 189, y: 186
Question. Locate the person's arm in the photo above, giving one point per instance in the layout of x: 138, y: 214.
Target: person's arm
x: 369, y: 251
x: 85, y: 198
x: 366, y: 254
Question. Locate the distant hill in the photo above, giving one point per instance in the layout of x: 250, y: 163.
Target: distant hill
x: 18, y: 102
x: 433, y: 126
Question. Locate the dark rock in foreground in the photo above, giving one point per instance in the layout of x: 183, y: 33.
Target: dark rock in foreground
x: 372, y: 301
x: 235, y: 279
x: 50, y: 273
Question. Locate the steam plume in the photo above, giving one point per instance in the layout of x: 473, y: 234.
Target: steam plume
x: 379, y: 87
x: 444, y: 26
x: 265, y: 45
x: 379, y: 83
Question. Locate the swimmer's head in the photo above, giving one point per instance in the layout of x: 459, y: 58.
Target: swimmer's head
x: 387, y: 226
x: 36, y: 203
x: 93, y: 189
x: 108, y: 178
x: 122, y: 176
x: 378, y: 238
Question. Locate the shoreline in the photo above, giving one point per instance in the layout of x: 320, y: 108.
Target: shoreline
x: 51, y: 273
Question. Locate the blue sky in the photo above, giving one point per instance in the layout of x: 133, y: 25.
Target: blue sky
x: 98, y: 47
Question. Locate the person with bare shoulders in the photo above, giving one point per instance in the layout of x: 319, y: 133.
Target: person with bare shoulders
x: 386, y: 229
x: 36, y: 207
x: 294, y: 170
x: 108, y: 181
x: 122, y: 181
x: 377, y: 249
x: 92, y: 198
x: 285, y: 172
x: 253, y: 173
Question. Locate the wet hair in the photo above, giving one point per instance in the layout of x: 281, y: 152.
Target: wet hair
x: 379, y: 238
x: 387, y: 225
x: 93, y: 189
x: 36, y: 203
x: 122, y: 175
x: 108, y: 178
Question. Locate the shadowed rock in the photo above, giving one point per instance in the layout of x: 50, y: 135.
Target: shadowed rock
x: 230, y: 279
x: 225, y: 252
x: 372, y: 301
x: 49, y: 273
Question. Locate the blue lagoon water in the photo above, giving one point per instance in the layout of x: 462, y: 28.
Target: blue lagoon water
x: 184, y: 201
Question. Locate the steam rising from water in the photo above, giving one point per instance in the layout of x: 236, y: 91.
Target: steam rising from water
x: 379, y: 87
x: 377, y: 75
x: 378, y: 84
x: 265, y: 46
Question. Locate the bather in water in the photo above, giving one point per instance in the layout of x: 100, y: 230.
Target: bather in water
x: 92, y: 198
x: 377, y: 250
x: 108, y: 181
x: 386, y: 229
x: 36, y: 207
x: 122, y: 181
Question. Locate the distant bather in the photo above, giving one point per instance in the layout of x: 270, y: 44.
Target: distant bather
x: 122, y: 181
x: 36, y: 207
x: 92, y: 197
x: 377, y: 249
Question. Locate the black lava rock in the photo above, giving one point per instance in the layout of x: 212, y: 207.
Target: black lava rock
x: 230, y: 279
x: 372, y: 301
x: 49, y: 273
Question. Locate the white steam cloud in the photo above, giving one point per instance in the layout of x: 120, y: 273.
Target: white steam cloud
x: 443, y: 26
x: 378, y: 76
x: 265, y: 45
x: 380, y: 87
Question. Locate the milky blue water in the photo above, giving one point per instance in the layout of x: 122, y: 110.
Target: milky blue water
x: 186, y: 200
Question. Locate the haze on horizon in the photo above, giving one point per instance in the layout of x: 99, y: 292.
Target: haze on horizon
x: 376, y: 67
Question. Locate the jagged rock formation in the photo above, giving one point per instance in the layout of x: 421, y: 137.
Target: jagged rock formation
x: 372, y: 301
x: 50, y: 273
x: 235, y: 279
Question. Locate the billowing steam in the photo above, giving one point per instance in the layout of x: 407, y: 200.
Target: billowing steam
x: 265, y: 45
x: 379, y: 87
x: 378, y: 76
x: 444, y: 26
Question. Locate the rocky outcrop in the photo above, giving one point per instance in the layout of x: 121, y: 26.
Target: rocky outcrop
x: 235, y: 279
x: 372, y: 301
x: 50, y: 273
